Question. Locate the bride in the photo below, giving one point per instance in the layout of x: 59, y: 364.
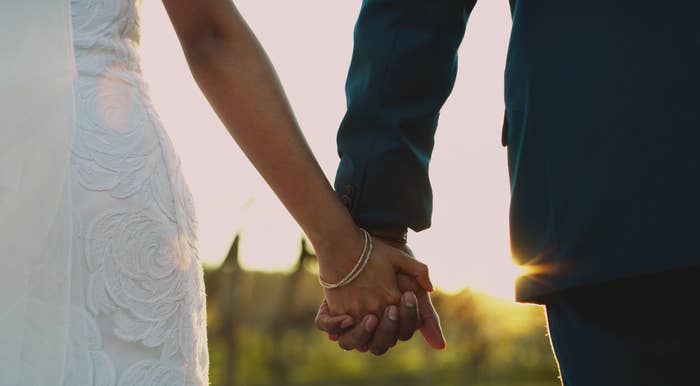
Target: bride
x: 100, y: 281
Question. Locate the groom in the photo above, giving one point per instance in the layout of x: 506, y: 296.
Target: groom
x: 602, y: 126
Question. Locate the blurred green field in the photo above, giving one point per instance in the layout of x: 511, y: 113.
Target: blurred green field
x: 261, y: 333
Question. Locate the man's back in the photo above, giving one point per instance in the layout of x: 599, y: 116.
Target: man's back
x: 603, y: 120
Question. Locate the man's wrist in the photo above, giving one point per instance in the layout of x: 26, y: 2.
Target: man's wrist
x: 394, y: 233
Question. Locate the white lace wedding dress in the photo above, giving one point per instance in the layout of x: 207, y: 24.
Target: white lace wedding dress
x: 138, y: 293
x: 100, y: 280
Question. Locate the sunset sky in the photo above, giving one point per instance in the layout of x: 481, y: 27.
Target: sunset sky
x: 310, y: 43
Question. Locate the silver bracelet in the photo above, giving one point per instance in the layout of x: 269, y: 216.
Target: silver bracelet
x: 359, y: 267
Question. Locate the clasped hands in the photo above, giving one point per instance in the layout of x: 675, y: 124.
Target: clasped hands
x: 387, y: 302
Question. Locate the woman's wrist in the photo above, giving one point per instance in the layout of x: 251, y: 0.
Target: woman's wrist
x: 338, y: 245
x: 360, y: 265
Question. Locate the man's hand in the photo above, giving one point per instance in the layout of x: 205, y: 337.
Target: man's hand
x: 429, y: 325
x: 429, y: 319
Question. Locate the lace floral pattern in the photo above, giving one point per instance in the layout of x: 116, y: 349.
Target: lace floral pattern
x: 152, y: 373
x: 144, y: 282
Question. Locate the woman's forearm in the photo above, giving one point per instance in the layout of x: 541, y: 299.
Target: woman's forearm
x: 237, y: 78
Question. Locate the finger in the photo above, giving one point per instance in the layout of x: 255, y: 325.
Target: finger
x: 334, y: 325
x: 409, y: 317
x: 387, y: 332
x: 431, y: 329
x: 415, y: 268
x: 332, y: 337
x: 360, y: 335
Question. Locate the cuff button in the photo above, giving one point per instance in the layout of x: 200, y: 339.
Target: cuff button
x: 347, y: 201
x: 349, y: 190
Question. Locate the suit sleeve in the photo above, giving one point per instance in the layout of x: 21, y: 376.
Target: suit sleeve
x: 403, y: 68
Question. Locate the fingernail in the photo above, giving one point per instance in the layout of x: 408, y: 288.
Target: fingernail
x: 370, y: 323
x: 409, y: 299
x: 392, y: 313
x: 348, y: 322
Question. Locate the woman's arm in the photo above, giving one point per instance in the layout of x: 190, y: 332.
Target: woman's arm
x: 236, y: 76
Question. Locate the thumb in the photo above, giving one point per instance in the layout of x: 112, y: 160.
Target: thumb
x: 414, y: 268
x: 430, y: 329
x: 333, y: 325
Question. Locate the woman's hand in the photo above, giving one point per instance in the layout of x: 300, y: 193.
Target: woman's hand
x: 416, y: 312
x: 376, y: 286
x: 366, y: 333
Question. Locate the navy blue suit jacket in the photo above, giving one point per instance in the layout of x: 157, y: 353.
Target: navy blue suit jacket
x: 602, y: 126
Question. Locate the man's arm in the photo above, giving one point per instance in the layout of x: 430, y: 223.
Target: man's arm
x: 403, y: 69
